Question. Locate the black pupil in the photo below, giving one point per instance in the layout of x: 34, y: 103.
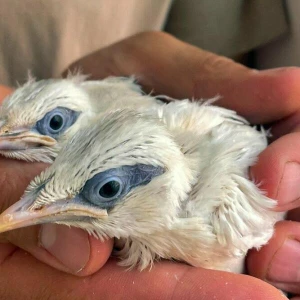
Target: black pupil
x: 56, y: 122
x: 110, y: 189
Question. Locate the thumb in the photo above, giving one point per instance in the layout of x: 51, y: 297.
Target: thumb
x: 278, y: 261
x: 169, y: 66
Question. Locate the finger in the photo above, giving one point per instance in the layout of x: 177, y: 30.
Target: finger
x: 166, y: 65
x: 278, y: 171
x: 166, y: 280
x: 70, y: 250
x: 278, y: 261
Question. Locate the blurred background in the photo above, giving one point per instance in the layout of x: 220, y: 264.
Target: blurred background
x: 46, y: 36
x: 259, y: 33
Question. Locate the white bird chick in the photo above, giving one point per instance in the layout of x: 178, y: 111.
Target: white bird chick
x: 38, y: 116
x: 169, y: 183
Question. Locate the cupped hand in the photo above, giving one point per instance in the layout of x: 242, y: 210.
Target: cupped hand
x: 166, y: 66
x: 32, y: 260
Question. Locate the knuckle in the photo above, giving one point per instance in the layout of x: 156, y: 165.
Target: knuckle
x: 214, y: 62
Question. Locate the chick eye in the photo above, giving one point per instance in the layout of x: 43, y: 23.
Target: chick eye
x: 104, y: 190
x: 108, y: 187
x: 56, y: 121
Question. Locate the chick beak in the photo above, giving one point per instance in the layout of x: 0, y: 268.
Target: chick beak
x: 22, y: 140
x: 22, y: 213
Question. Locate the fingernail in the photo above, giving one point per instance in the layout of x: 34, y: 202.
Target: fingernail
x: 285, y: 265
x: 70, y: 246
x: 289, y: 189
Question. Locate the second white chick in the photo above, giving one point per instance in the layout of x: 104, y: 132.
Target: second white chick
x: 39, y: 116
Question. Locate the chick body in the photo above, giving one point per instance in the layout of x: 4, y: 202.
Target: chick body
x: 224, y: 214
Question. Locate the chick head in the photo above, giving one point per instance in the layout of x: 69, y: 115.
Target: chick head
x: 121, y: 176
x: 35, y: 117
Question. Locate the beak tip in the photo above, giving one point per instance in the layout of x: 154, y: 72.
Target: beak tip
x: 5, y: 221
x: 7, y: 218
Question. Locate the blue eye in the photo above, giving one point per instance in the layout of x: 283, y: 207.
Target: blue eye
x: 108, y: 187
x: 56, y: 121
x: 104, y: 190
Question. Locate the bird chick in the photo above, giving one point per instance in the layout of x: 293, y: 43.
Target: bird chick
x: 39, y: 116
x: 171, y: 182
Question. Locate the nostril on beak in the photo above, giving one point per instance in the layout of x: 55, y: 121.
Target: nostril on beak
x: 38, y: 208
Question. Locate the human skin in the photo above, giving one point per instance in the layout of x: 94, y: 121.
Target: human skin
x: 166, y: 65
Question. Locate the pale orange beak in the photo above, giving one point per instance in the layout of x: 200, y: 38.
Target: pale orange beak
x: 22, y: 214
x: 22, y: 140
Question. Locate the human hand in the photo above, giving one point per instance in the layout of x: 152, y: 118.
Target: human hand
x: 167, y: 66
x: 175, y: 69
x: 32, y: 259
